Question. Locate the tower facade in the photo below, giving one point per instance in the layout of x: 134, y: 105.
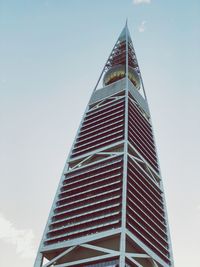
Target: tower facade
x: 109, y: 208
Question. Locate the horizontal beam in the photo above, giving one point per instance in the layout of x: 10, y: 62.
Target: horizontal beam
x: 79, y: 262
x: 81, y: 240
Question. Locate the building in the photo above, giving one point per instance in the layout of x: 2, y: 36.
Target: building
x: 109, y: 209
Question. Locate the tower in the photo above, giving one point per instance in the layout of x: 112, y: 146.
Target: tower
x: 109, y: 208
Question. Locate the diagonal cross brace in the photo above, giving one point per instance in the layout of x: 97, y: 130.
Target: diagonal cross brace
x: 59, y: 256
x: 105, y: 250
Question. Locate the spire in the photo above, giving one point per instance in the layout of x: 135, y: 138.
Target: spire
x: 122, y: 36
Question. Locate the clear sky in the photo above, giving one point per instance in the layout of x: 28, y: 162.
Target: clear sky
x: 51, y: 54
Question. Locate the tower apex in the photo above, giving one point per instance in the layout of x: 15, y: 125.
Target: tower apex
x: 116, y: 64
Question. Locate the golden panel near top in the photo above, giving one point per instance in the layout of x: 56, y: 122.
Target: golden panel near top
x: 118, y: 72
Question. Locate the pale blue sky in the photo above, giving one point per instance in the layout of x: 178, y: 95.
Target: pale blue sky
x: 51, y: 54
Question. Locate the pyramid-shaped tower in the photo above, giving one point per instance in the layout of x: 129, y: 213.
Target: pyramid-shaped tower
x: 109, y: 209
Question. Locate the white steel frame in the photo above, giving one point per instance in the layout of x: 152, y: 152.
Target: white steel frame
x: 106, y: 151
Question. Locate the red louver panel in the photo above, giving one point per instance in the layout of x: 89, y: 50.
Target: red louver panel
x: 145, y: 211
x: 89, y: 202
x: 140, y: 136
x: 100, y: 128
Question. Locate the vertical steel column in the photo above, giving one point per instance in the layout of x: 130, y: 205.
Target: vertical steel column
x: 124, y: 182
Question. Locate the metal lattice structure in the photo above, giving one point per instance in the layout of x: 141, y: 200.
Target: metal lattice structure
x: 109, y: 209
